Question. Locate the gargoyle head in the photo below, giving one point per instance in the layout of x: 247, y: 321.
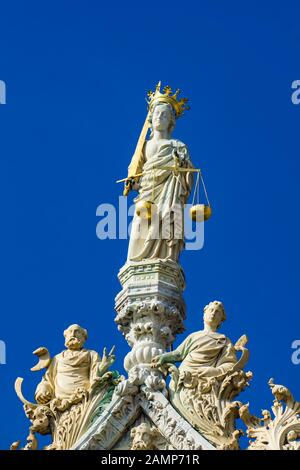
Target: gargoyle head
x: 40, y: 419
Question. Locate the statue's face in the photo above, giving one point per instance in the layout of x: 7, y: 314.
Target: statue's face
x: 292, y: 436
x: 75, y: 337
x: 162, y: 117
x: 213, y: 316
x: 142, y: 438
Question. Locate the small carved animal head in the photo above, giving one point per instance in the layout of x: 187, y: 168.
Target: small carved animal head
x: 280, y: 392
x: 40, y: 420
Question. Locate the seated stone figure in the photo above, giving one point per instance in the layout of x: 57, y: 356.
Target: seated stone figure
x: 204, y: 352
x: 209, y: 376
x: 73, y: 369
x: 73, y: 392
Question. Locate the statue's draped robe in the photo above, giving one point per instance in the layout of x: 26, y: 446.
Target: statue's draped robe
x: 169, y: 192
x: 204, y: 356
x: 69, y: 371
x: 201, y: 350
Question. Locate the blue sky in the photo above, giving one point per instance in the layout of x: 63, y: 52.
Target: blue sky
x: 77, y: 74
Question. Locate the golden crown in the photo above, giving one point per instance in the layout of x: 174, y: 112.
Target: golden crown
x: 156, y: 96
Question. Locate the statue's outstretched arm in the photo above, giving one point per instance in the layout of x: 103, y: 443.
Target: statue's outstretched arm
x: 169, y: 357
x: 178, y: 355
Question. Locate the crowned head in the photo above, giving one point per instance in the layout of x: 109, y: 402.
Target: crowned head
x: 162, y: 118
x: 166, y: 97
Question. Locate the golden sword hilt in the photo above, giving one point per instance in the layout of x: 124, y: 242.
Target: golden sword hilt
x: 129, y: 182
x: 127, y: 187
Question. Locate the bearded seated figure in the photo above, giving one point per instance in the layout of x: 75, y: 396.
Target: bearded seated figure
x: 74, y: 369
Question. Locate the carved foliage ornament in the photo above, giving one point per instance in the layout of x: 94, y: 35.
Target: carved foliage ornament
x: 280, y: 432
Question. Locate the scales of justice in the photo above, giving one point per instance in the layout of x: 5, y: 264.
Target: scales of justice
x: 84, y: 405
